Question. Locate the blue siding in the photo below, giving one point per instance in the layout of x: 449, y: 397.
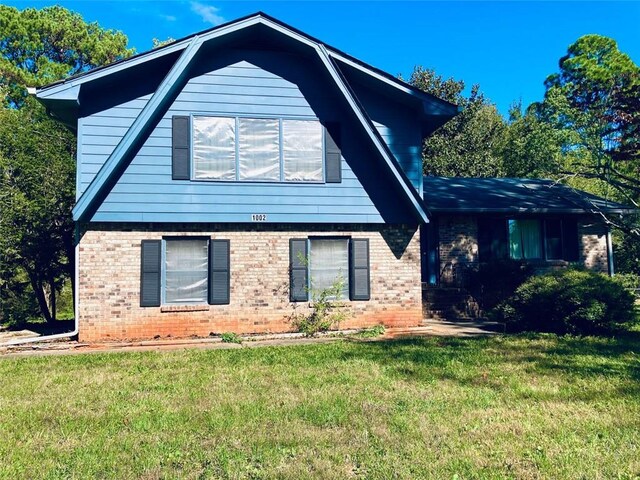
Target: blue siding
x: 399, y: 127
x: 250, y: 83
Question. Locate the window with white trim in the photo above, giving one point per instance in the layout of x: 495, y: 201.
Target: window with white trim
x: 257, y: 149
x: 186, y: 271
x: 329, y: 264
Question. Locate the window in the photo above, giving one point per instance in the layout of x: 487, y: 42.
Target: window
x: 553, y: 239
x: 317, y: 263
x: 257, y: 149
x: 329, y: 263
x: 186, y: 271
x: 524, y: 239
x: 302, y: 150
x: 528, y: 239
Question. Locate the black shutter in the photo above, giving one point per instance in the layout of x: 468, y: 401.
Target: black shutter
x: 359, y: 277
x: 570, y: 240
x: 180, y: 146
x: 150, y: 268
x: 219, y: 272
x: 299, y: 274
x: 332, y: 154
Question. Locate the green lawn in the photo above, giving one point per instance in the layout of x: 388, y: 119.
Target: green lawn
x: 503, y: 407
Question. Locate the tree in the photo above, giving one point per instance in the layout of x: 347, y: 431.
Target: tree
x: 590, y: 118
x: 594, y: 104
x: 38, y: 47
x: 37, y: 170
x: 467, y: 145
x: 37, y: 155
x: 530, y: 147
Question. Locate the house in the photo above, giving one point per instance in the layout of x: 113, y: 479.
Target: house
x: 223, y: 176
x: 475, y: 221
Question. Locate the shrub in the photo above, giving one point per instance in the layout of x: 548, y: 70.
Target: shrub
x: 327, y: 311
x: 372, y: 332
x: 568, y: 301
x: 496, y: 280
x: 230, y: 337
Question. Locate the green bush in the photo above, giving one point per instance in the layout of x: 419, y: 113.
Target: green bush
x: 496, y: 280
x: 569, y: 301
x: 230, y: 337
x: 327, y: 310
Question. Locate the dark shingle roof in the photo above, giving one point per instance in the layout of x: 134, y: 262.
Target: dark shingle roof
x: 511, y: 195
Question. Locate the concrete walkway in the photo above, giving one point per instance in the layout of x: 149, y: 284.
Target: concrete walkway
x: 70, y: 347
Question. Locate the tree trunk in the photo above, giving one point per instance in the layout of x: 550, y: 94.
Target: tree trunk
x: 36, y: 285
x: 52, y: 300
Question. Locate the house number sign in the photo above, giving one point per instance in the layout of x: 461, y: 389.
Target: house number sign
x: 258, y: 217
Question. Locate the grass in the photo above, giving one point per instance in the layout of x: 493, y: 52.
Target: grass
x: 502, y: 407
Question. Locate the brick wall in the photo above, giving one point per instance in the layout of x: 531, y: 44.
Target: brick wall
x: 109, y: 284
x: 593, y: 245
x: 459, y: 255
x: 458, y: 248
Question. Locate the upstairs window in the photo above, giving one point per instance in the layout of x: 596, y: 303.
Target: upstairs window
x: 257, y: 149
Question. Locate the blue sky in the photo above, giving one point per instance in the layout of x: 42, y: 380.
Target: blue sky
x: 507, y: 47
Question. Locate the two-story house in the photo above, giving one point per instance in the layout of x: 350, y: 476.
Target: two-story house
x: 221, y: 179
x: 225, y: 177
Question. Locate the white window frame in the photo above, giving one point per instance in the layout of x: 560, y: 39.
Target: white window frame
x: 163, y: 281
x: 347, y: 285
x: 281, y: 153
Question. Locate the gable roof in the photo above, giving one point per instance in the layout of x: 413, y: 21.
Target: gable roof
x: 434, y: 104
x: 511, y: 195
x: 61, y: 94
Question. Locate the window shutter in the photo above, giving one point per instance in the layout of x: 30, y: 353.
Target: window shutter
x: 219, y: 272
x: 151, y: 257
x: 180, y: 147
x: 359, y: 275
x: 570, y: 239
x: 332, y: 154
x: 299, y: 272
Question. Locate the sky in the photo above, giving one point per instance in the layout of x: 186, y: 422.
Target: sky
x: 507, y: 47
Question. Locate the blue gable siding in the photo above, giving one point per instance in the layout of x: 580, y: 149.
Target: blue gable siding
x: 399, y: 127
x: 238, y: 83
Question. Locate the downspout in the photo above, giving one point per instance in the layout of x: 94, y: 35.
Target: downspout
x: 610, y: 253
x: 76, y: 325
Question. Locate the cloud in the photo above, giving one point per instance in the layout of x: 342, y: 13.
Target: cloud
x: 168, y: 18
x: 208, y: 13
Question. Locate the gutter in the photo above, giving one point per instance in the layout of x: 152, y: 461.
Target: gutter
x: 610, y: 253
x: 76, y: 324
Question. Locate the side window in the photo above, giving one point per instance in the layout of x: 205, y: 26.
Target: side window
x: 524, y: 239
x: 528, y: 239
x: 553, y: 239
x: 328, y: 264
x: 317, y: 263
x: 184, y: 271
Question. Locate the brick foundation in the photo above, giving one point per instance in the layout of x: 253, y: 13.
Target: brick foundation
x: 109, y: 281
